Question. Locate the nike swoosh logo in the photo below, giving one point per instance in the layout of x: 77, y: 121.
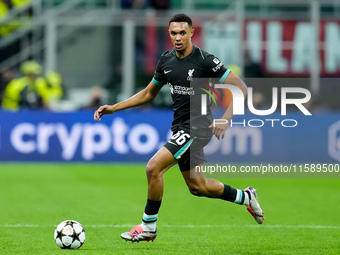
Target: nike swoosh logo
x: 167, y: 71
x: 172, y: 143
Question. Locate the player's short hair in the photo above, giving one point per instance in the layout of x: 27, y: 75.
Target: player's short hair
x: 181, y: 18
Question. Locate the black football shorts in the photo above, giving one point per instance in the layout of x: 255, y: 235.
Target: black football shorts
x: 188, y: 150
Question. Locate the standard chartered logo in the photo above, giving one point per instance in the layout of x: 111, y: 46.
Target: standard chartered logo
x: 181, y: 90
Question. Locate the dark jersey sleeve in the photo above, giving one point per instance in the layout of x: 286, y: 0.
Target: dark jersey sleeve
x: 215, y: 68
x: 159, y: 77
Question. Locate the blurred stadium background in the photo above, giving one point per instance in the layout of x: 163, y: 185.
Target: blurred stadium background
x: 105, y: 51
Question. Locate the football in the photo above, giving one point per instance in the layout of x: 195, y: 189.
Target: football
x: 69, y: 234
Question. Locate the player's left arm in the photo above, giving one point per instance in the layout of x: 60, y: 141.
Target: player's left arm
x: 219, y: 129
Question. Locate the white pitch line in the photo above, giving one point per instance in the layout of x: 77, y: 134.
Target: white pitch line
x: 178, y: 226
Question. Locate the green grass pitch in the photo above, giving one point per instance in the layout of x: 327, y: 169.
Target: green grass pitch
x: 302, y: 215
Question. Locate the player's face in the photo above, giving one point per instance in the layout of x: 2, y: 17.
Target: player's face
x: 180, y: 34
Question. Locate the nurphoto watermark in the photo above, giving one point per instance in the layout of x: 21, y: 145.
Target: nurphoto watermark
x: 270, y: 170
x: 239, y: 99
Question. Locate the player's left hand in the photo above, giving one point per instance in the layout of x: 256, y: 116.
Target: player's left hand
x: 105, y: 109
x: 219, y: 129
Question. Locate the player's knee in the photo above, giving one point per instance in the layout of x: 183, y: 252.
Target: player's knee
x: 151, y: 169
x: 196, y: 190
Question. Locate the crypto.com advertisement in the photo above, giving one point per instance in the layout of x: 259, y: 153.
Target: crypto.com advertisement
x: 282, y: 127
x: 274, y: 128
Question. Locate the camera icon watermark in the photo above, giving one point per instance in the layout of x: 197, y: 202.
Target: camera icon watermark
x: 334, y: 141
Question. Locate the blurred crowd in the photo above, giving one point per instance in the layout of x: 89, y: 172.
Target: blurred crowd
x: 31, y: 90
x: 6, y: 6
x: 35, y: 89
x: 144, y: 4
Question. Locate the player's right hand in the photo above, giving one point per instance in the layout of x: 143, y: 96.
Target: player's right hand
x: 105, y: 109
x: 219, y: 129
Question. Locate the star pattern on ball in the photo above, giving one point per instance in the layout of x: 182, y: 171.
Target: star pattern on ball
x: 70, y: 222
x: 60, y: 234
x: 75, y: 236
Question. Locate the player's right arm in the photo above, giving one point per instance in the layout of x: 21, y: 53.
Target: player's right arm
x: 146, y: 95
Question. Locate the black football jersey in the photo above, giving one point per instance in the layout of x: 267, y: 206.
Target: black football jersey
x: 181, y: 75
